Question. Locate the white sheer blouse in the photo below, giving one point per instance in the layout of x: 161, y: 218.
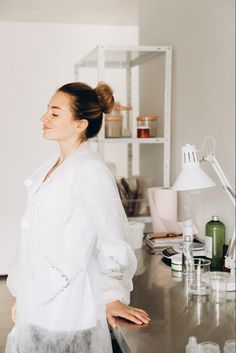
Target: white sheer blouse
x: 73, y: 258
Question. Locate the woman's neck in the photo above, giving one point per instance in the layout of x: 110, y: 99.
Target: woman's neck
x: 67, y: 149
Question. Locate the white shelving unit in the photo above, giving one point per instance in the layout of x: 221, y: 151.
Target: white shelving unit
x: 125, y: 58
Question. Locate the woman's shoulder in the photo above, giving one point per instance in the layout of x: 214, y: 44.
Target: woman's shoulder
x: 91, y: 170
x: 88, y: 159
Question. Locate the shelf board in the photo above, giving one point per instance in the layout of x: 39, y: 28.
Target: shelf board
x: 122, y: 56
x: 144, y: 219
x: 133, y: 140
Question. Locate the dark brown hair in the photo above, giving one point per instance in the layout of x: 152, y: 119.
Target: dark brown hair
x: 89, y: 103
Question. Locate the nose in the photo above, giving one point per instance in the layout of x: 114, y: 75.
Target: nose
x: 45, y: 118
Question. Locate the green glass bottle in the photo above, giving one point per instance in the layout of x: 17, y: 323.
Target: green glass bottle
x: 215, y: 240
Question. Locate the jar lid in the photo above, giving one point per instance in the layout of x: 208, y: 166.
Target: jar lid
x: 144, y: 118
x: 113, y: 117
x: 215, y: 218
x: 121, y: 107
x: 143, y: 127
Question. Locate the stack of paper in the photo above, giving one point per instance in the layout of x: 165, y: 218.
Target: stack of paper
x: 156, y: 240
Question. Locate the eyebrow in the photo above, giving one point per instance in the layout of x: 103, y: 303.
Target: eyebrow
x: 54, y: 107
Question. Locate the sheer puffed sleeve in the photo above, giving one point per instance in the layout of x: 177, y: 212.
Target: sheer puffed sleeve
x: 99, y: 194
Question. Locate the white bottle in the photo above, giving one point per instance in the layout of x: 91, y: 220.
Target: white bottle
x: 187, y: 255
x: 192, y: 346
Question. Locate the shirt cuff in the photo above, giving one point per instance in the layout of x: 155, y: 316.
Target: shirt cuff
x: 111, y: 296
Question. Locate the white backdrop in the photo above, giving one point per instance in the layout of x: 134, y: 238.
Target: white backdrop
x: 35, y: 59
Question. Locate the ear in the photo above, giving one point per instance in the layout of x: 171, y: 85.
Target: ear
x: 81, y: 125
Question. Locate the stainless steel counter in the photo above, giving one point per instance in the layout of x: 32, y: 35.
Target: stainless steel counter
x: 175, y: 314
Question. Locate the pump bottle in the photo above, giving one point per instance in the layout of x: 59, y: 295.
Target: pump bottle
x: 187, y: 255
x: 192, y: 346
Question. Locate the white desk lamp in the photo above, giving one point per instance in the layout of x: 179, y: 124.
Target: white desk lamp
x: 192, y: 177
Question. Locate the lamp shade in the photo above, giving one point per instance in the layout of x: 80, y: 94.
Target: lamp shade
x: 191, y: 177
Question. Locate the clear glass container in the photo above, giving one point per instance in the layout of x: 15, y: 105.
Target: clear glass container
x: 113, y: 126
x: 148, y: 122
x: 230, y: 346
x: 124, y: 112
x: 210, y: 347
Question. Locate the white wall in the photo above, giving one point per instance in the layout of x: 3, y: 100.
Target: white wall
x: 202, y: 35
x: 35, y: 59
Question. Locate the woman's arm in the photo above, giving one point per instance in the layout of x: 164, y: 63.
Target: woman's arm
x: 115, y: 256
x: 121, y: 310
x: 13, y: 312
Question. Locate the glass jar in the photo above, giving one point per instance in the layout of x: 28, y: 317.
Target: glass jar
x: 113, y: 126
x: 124, y: 112
x: 150, y: 122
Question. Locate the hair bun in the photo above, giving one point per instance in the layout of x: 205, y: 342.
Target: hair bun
x: 105, y: 97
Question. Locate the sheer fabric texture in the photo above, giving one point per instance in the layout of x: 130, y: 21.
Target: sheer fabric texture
x: 73, y: 259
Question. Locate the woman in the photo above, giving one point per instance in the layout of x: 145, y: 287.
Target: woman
x: 75, y: 269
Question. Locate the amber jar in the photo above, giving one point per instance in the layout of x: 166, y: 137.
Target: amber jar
x: 143, y: 132
x: 148, y: 122
x: 113, y: 126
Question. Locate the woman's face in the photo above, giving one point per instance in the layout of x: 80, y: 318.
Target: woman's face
x: 58, y: 122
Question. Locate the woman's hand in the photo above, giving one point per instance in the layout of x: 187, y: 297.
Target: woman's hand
x: 13, y: 312
x: 119, y: 309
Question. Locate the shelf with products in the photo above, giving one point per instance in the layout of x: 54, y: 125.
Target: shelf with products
x: 133, y: 140
x: 143, y: 219
x: 120, y: 67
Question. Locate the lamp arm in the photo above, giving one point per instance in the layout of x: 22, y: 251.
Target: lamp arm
x: 230, y: 260
x: 224, y: 181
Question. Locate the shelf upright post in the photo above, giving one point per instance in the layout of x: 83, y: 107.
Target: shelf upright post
x: 129, y: 104
x: 100, y: 77
x: 167, y: 115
